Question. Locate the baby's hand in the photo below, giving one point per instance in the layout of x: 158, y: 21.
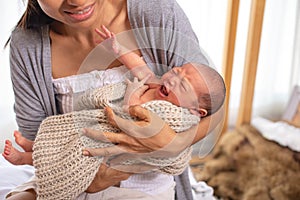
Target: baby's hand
x: 112, y: 43
x: 134, y: 91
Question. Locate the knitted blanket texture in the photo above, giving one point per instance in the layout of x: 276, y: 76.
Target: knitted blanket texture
x: 63, y: 172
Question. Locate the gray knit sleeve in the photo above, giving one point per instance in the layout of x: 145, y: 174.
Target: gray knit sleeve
x: 164, y: 34
x: 29, y: 69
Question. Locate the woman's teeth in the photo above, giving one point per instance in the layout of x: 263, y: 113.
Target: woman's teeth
x: 82, y: 11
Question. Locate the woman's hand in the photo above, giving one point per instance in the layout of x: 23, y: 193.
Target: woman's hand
x: 105, y: 178
x: 149, y: 135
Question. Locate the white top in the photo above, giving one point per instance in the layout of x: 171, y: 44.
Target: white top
x: 69, y: 87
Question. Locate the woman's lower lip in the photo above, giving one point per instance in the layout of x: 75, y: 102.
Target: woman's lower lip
x: 82, y: 16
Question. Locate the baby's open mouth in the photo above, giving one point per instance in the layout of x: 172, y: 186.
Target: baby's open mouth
x: 163, y: 90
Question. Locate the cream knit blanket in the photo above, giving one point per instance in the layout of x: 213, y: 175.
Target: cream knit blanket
x: 61, y: 169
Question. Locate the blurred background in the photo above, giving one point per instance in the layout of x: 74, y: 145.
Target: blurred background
x: 278, y: 66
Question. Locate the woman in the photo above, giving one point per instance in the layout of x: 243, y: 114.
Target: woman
x: 54, y: 37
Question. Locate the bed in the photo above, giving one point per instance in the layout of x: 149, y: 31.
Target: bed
x: 258, y: 159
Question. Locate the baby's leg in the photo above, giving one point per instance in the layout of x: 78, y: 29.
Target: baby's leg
x: 16, y: 157
x: 23, y: 142
x: 26, y: 195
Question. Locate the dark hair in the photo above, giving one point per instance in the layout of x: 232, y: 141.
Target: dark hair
x: 33, y: 17
x: 213, y: 100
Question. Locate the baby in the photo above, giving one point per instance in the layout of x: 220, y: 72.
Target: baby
x: 198, y: 88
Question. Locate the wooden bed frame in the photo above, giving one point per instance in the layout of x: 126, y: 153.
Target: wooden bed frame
x: 251, y: 59
x: 252, y: 53
x: 244, y: 164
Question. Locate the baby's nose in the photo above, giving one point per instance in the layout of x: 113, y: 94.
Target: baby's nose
x: 173, y: 80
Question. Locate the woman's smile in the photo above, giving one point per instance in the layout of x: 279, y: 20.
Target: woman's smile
x: 79, y: 15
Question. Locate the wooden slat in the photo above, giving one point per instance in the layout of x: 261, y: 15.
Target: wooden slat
x: 228, y: 55
x: 251, y: 60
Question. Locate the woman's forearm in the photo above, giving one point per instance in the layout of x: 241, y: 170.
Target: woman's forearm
x: 105, y: 178
x: 196, y: 133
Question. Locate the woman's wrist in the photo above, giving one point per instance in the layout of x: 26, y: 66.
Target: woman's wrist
x: 106, y: 177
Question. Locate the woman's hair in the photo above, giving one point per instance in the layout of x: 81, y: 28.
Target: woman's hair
x: 33, y: 16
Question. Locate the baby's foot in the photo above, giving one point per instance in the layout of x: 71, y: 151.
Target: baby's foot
x: 16, y: 157
x: 23, y: 142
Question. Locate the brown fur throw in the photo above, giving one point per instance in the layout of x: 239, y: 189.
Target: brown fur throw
x: 245, y: 166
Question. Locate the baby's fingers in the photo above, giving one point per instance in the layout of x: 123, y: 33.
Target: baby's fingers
x: 144, y: 80
x: 101, y: 34
x: 106, y: 31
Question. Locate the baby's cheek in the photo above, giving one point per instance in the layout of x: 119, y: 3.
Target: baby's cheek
x: 172, y: 98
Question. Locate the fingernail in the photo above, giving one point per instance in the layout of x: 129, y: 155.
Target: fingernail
x: 83, y: 131
x: 85, y: 152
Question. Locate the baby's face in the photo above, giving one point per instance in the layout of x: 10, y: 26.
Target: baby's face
x: 181, y: 86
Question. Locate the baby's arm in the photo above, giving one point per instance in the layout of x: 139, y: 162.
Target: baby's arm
x: 130, y: 59
x: 134, y: 91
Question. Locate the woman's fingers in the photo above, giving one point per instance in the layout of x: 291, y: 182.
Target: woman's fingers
x: 105, y: 136
x: 110, y: 116
x: 137, y: 168
x: 95, y: 134
x: 148, y: 125
x: 115, y: 138
x: 107, y: 151
x: 140, y: 112
x: 149, y: 134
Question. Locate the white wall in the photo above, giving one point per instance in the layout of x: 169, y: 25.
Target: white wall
x: 9, y: 15
x: 278, y: 66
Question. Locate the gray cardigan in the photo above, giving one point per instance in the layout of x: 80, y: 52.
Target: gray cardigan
x: 164, y: 36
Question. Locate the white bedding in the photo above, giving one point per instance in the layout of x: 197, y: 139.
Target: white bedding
x: 19, y: 174
x: 280, y: 132
x: 11, y: 176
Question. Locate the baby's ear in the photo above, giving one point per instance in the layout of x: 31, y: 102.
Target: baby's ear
x: 200, y: 113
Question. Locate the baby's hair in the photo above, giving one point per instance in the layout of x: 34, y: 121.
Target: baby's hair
x: 214, y: 99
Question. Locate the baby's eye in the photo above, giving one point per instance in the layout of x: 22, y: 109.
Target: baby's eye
x: 184, y: 85
x: 174, y: 71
